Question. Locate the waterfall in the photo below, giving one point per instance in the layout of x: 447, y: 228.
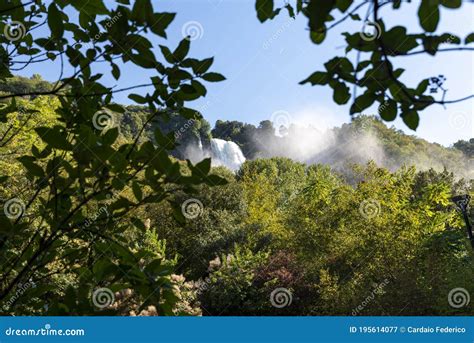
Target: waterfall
x: 226, y: 153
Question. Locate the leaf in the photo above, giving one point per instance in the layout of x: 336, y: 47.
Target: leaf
x: 182, y: 49
x: 396, y: 39
x: 137, y: 191
x: 343, y: 5
x: 362, y: 102
x: 142, y: 10
x: 91, y: 7
x: 203, y: 167
x: 428, y: 14
x: 469, y: 38
x: 388, y: 110
x: 341, y: 93
x: 137, y: 98
x: 317, y: 12
x: 199, y: 88
x: 317, y: 78
x: 291, y: 11
x: 5, y: 110
x: 166, y: 142
x: 54, y: 137
x: 202, y: 66
x: 421, y: 88
x: 33, y: 168
x: 355, y: 17
x: 115, y: 71
x: 317, y: 37
x: 159, y: 22
x: 167, y: 54
x: 110, y: 136
x: 55, y: 21
x: 116, y: 108
x: 189, y: 113
x: 451, y: 3
x: 411, y: 119
x: 213, y: 77
x: 264, y: 9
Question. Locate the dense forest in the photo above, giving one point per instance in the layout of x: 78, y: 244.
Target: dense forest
x: 327, y: 236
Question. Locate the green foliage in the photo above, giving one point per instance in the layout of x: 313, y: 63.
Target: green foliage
x: 372, y: 68
x: 231, y: 289
x: 22, y: 85
x: 397, y: 147
x: 396, y: 231
x: 75, y: 185
x: 94, y: 193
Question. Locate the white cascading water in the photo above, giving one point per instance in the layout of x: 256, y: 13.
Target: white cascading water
x: 226, y: 153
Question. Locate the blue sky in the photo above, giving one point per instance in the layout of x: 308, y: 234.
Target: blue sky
x: 263, y: 64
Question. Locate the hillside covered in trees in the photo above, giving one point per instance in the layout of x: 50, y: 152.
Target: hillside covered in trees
x: 365, y: 138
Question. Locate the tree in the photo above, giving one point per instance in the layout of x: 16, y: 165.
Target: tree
x: 67, y: 227
x: 372, y: 67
